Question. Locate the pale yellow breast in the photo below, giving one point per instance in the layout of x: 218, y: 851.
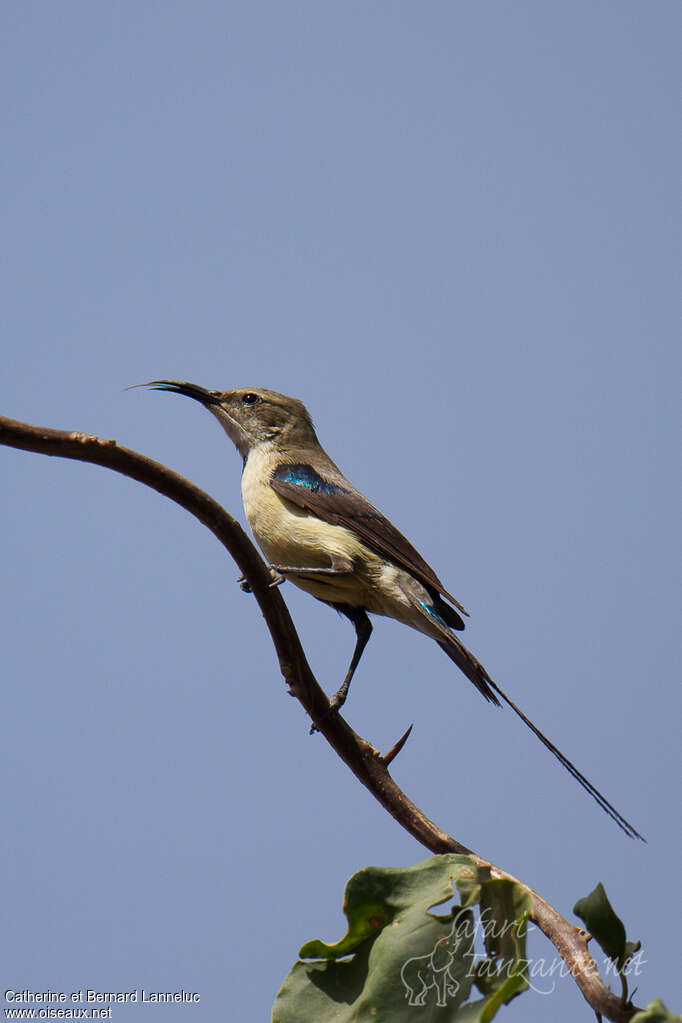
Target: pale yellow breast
x: 289, y: 535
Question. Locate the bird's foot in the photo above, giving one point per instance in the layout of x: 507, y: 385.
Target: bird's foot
x: 277, y: 580
x: 277, y: 577
x: 336, y: 702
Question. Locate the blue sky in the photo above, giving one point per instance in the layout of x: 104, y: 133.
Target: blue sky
x: 452, y: 230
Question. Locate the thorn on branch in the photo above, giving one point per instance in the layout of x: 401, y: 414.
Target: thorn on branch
x: 395, y: 750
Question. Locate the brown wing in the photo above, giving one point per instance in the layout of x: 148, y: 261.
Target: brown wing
x: 336, y: 501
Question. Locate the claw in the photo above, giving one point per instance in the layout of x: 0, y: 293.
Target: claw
x: 243, y: 585
x: 277, y: 579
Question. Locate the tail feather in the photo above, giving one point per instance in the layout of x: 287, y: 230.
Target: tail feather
x: 477, y: 674
x: 473, y: 670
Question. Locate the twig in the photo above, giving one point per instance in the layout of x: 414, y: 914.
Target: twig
x: 359, y: 755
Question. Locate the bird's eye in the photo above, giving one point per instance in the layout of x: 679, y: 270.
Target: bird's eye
x: 250, y: 398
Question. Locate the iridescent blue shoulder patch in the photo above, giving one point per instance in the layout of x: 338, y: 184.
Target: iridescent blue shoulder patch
x: 305, y: 476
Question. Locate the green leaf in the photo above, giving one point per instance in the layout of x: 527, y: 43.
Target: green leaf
x: 363, y: 922
x: 596, y: 912
x: 656, y: 1012
x: 398, y: 958
x: 504, y: 909
x: 376, y: 895
x: 605, y: 926
x: 608, y: 930
x: 630, y: 948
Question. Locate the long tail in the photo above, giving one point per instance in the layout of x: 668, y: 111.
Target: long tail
x: 477, y: 674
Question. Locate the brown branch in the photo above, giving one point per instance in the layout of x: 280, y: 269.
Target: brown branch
x: 360, y: 756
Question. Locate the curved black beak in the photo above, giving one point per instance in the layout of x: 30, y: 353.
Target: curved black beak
x: 213, y: 401
x: 199, y: 394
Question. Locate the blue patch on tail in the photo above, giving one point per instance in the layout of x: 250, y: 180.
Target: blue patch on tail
x: 432, y: 613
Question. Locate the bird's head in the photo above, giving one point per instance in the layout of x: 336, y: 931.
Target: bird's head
x: 251, y: 415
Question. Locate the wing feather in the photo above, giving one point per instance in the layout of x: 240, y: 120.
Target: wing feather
x: 336, y: 501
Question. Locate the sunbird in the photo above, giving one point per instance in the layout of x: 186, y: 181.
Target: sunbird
x: 318, y: 531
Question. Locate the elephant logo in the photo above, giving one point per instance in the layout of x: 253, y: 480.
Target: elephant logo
x: 434, y: 970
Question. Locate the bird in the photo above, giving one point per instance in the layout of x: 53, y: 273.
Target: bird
x: 320, y: 532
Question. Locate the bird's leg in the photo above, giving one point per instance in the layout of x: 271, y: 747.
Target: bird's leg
x: 339, y: 566
x: 363, y: 630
